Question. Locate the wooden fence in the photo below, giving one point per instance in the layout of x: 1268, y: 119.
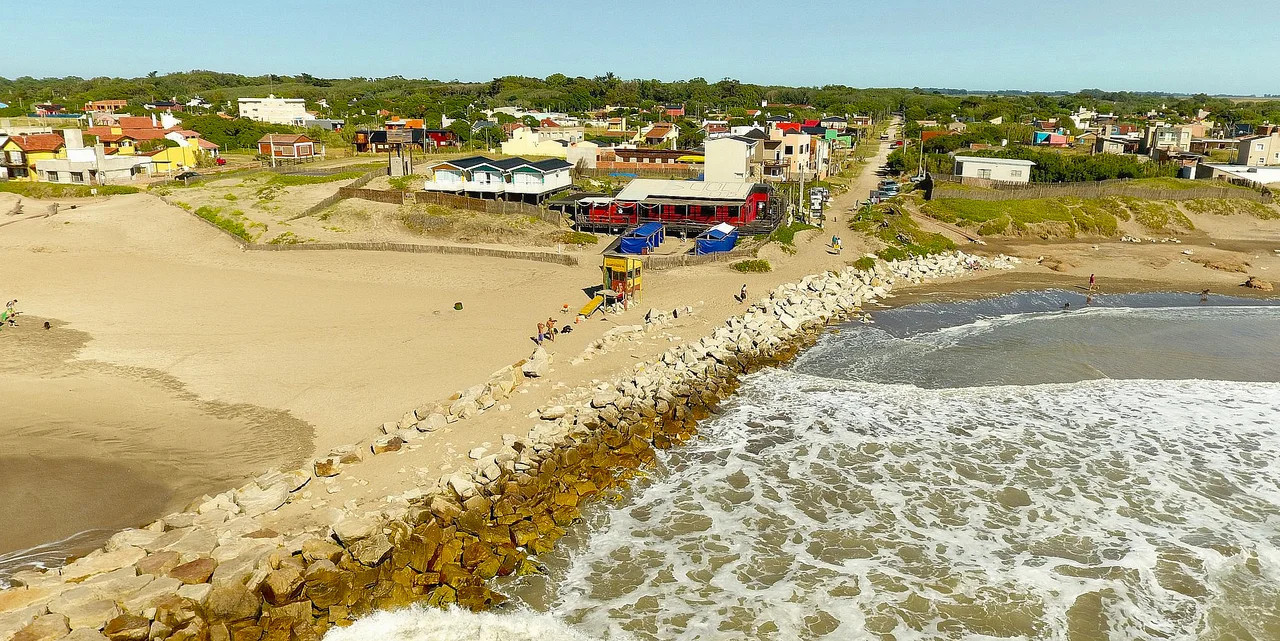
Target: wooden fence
x: 954, y: 187
x: 389, y: 196
x: 452, y: 200
x: 337, y: 196
x: 671, y: 261
x: 414, y: 248
x: 604, y: 169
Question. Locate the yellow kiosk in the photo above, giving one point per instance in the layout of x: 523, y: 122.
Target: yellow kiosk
x: 622, y: 281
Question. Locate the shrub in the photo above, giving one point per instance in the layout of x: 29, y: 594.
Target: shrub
x: 894, y: 227
x: 58, y: 190
x: 866, y: 263
x: 285, y: 238
x: 229, y: 225
x: 753, y: 266
x: 401, y: 183
x: 578, y: 238
x: 786, y: 234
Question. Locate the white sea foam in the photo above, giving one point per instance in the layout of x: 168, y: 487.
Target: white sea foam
x: 818, y: 507
x: 429, y: 624
x: 947, y: 336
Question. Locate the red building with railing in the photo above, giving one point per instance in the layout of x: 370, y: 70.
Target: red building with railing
x: 686, y: 207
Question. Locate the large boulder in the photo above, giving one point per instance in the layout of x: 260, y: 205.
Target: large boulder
x: 145, y: 598
x: 538, y: 365
x: 282, y: 586
x: 131, y: 538
x: 193, y: 572
x: 254, y: 500
x: 44, y: 628
x: 387, y: 444
x: 352, y: 528
x: 327, y: 466
x: 325, y: 584
x: 127, y: 627
x: 314, y: 549
x: 91, y: 614
x: 101, y: 562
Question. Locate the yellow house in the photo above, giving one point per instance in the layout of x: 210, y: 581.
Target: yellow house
x: 174, y: 158
x: 18, y: 154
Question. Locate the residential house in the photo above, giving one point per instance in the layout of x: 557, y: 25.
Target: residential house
x: 583, y: 153
x: 616, y: 125
x: 859, y: 121
x: 835, y: 122
x: 200, y: 103
x: 132, y: 134
x: 1259, y: 151
x: 1166, y: 137
x: 163, y: 105
x: 731, y: 159
x: 1009, y: 170
x: 774, y: 165
x: 659, y: 134
x: 49, y: 109
x: 674, y: 111
x: 90, y: 165
x: 649, y: 156
x: 515, y: 178
x: 1114, y: 145
x: 327, y: 124
x: 19, y: 154
x: 1203, y: 146
x: 289, y: 147
x: 797, y: 149
x: 105, y: 106
x: 1048, y: 139
x: 280, y: 111
x: 552, y: 142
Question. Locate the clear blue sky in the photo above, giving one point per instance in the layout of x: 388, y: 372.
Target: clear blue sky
x: 1141, y: 45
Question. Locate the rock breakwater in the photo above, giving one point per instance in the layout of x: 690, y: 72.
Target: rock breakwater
x: 225, y: 570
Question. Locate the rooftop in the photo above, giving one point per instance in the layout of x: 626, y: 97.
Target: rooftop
x: 645, y: 188
x: 996, y: 161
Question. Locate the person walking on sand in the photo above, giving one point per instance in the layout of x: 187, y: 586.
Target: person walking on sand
x: 551, y: 328
x: 742, y: 296
x: 1093, y: 283
x: 542, y: 331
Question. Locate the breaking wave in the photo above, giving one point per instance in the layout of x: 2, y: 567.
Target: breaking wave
x: 1005, y: 471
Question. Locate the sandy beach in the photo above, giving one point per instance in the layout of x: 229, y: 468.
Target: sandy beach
x: 186, y: 364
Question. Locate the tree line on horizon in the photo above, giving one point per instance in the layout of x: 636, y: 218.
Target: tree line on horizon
x: 353, y: 97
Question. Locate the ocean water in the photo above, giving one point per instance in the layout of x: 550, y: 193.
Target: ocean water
x: 997, y: 469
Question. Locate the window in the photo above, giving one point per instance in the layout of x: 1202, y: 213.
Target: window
x: 1015, y: 173
x: 15, y: 157
x: 77, y: 176
x: 1258, y: 147
x: 984, y: 173
x: 788, y: 150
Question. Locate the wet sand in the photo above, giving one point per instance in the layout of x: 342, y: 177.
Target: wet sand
x: 87, y: 447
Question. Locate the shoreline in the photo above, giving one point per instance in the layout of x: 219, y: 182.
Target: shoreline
x: 442, y: 544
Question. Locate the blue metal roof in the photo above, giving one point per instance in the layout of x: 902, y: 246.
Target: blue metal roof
x: 647, y: 229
